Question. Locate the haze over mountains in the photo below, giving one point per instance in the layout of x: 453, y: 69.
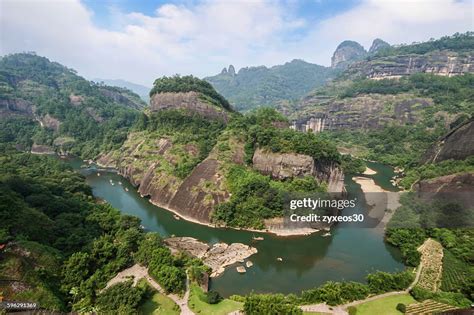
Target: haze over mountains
x: 141, y: 90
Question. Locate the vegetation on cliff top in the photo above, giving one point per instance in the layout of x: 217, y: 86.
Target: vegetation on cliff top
x: 176, y: 84
x: 457, y: 42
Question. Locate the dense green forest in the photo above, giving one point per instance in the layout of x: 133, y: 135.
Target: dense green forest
x: 261, y: 86
x: 457, y: 42
x: 87, y: 118
x: 50, y: 220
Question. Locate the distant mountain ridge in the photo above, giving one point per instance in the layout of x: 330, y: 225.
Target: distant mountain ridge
x: 252, y: 87
x: 141, y: 90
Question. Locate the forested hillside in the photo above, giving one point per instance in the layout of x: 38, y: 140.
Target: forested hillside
x: 47, y: 104
x: 62, y: 246
x: 261, y: 86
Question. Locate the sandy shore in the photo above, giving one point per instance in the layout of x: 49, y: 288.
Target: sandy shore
x: 276, y: 231
x: 369, y: 171
x: 381, y: 200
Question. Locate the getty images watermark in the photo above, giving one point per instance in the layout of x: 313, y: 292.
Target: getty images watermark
x: 315, y: 204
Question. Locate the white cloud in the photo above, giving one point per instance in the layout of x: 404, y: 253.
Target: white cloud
x: 395, y: 21
x: 202, y: 38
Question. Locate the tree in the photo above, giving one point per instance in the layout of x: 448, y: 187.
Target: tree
x: 271, y: 304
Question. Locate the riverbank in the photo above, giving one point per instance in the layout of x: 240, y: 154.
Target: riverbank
x: 369, y: 171
x: 308, y: 260
x: 379, y: 199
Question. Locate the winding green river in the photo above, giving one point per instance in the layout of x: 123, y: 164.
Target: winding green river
x: 350, y: 253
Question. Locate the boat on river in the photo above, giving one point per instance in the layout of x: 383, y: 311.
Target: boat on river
x: 258, y: 238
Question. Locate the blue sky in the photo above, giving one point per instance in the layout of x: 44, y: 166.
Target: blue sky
x: 141, y: 40
x: 312, y: 10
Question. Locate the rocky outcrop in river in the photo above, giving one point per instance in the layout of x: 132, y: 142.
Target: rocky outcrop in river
x: 217, y: 256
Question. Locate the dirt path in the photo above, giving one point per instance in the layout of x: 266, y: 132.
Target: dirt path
x: 138, y: 272
x: 341, y: 309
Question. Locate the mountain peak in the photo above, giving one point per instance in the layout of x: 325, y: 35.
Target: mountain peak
x: 231, y: 70
x: 377, y: 45
x: 347, y: 52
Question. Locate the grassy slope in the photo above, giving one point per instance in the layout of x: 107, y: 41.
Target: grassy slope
x: 386, y: 306
x: 156, y: 303
x: 199, y: 307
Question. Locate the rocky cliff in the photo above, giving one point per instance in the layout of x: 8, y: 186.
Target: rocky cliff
x: 288, y: 165
x: 13, y: 106
x: 454, y: 188
x: 189, y: 101
x: 146, y: 163
x: 458, y: 144
x: 347, y: 52
x: 378, y: 45
x: 372, y: 111
x: 445, y: 63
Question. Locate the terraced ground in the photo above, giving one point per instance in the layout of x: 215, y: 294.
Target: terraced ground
x: 428, y: 307
x: 432, y: 262
x: 455, y: 272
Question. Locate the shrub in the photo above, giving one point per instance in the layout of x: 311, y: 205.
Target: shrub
x: 212, y: 297
x: 401, y: 307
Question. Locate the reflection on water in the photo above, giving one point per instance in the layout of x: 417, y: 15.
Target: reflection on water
x: 308, y: 261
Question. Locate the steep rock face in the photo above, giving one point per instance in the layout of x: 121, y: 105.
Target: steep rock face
x: 378, y: 45
x: 371, y: 111
x: 457, y: 144
x: 458, y: 188
x: 445, y: 63
x: 193, y: 197
x: 9, y: 107
x: 347, y: 52
x: 287, y: 165
x: 121, y: 99
x: 282, y: 165
x: 189, y: 101
x: 447, y: 184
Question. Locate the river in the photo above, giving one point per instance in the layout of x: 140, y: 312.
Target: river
x: 350, y: 253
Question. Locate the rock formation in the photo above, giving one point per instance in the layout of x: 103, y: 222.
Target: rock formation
x: 371, y: 111
x: 446, y: 63
x: 378, y: 45
x: 191, y: 197
x: 231, y: 70
x: 458, y: 144
x: 287, y: 165
x: 9, y: 107
x: 347, y: 52
x: 189, y: 101
x: 454, y: 188
x: 217, y: 256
